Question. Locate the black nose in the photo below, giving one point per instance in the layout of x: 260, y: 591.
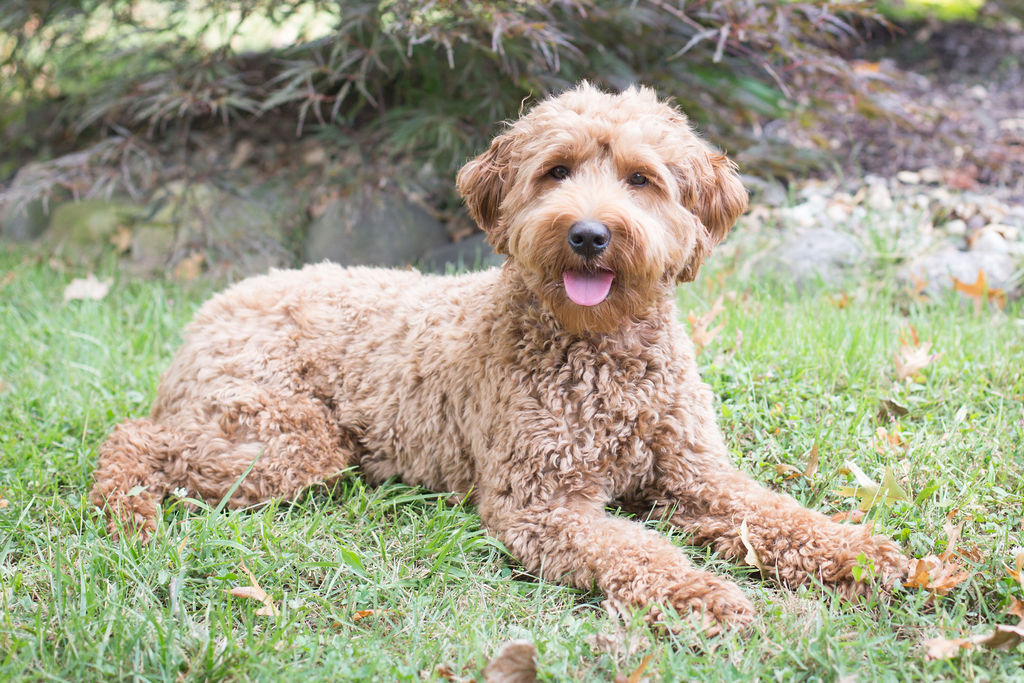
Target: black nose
x: 589, y: 238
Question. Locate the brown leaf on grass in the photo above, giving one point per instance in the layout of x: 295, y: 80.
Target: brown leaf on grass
x: 9, y: 277
x: 812, y: 462
x: 255, y: 592
x: 86, y: 288
x: 190, y: 267
x: 945, y: 648
x: 936, y: 575
x: 516, y: 662
x: 1016, y: 609
x: 913, y: 356
x: 884, y: 440
x: 891, y: 409
x: 1017, y: 573
x: 446, y: 672
x: 1002, y: 637
x: 979, y: 291
x: 122, y: 239
x: 788, y: 471
x: 841, y: 301
x: 638, y: 672
x: 854, y: 516
x: 699, y: 332
x: 363, y: 613
x: 918, y: 285
x: 792, y: 471
x: 4, y: 502
x: 751, y: 557
x: 868, y: 491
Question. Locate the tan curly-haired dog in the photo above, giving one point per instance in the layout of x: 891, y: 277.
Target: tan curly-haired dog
x: 547, y: 389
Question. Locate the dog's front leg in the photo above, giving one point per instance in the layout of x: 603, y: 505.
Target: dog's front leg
x: 700, y: 491
x: 572, y: 540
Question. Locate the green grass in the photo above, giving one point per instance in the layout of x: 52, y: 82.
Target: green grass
x: 75, y: 605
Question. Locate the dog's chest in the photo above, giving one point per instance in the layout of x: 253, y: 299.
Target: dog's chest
x: 606, y: 407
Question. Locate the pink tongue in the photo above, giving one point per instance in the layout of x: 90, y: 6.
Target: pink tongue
x: 587, y: 289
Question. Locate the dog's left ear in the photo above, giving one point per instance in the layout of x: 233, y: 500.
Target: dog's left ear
x: 482, y: 182
x: 711, y: 189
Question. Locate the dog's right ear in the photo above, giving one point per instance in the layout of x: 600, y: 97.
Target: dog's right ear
x: 482, y: 182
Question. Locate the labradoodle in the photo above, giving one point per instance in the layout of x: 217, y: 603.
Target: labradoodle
x: 547, y: 389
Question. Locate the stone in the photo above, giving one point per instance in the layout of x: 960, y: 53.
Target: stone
x: 930, y: 175
x: 908, y: 177
x: 471, y: 253
x: 768, y: 192
x: 23, y: 223
x: 955, y: 228
x: 373, y: 226
x: 240, y: 233
x: 82, y: 230
x: 878, y: 197
x: 937, y: 270
x: 990, y: 240
x: 813, y: 255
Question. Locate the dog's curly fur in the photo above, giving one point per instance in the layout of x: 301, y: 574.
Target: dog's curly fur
x: 497, y: 384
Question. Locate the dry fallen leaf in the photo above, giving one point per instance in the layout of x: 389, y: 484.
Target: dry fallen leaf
x: 854, y: 516
x: 1003, y: 637
x: 913, y: 356
x: 979, y: 291
x: 9, y: 277
x: 788, y: 471
x: 936, y: 575
x: 751, y: 557
x: 792, y: 471
x: 945, y: 648
x: 4, y: 502
x: 891, y: 409
x: 516, y: 662
x: 812, y: 462
x: 884, y: 440
x: 122, y: 238
x: 638, y: 673
x: 255, y: 592
x: 363, y: 613
x: 700, y: 334
x: 190, y: 267
x: 869, y: 492
x: 1016, y: 609
x: 86, y: 288
x: 918, y: 285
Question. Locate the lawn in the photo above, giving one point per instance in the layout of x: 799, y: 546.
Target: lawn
x: 391, y: 583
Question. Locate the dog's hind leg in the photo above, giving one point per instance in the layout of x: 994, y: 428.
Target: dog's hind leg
x: 132, y: 478
x: 273, y: 446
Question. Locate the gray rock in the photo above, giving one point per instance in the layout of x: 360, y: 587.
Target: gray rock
x: 938, y: 270
x: 813, y: 255
x: 767, y: 192
x: 241, y: 233
x: 373, y: 227
x: 472, y: 253
x: 24, y: 223
x: 82, y: 230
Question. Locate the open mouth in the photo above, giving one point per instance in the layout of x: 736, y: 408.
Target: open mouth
x: 587, y: 287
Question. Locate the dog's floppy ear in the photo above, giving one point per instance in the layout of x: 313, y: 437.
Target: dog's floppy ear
x: 711, y: 189
x: 482, y: 182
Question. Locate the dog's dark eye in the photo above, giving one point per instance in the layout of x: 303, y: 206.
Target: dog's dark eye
x: 559, y: 173
x: 637, y: 179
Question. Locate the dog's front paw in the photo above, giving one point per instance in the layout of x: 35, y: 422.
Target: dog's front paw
x: 875, y: 568
x: 714, y: 605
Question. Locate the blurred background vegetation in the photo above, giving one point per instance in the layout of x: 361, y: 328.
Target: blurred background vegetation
x: 121, y: 97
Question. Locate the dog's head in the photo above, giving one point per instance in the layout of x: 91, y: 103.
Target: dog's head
x: 603, y: 202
